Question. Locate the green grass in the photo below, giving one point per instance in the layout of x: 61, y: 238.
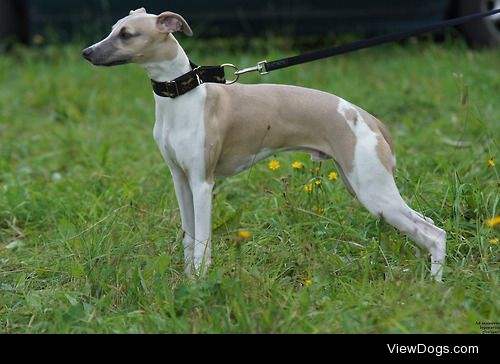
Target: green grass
x: 90, y: 231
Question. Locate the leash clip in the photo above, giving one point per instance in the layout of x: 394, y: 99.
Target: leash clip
x: 261, y: 68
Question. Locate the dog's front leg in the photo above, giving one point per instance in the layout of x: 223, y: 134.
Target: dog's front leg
x: 185, y: 200
x: 202, y: 201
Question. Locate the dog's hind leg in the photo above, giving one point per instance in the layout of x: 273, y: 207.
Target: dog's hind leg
x: 382, y: 199
x: 374, y: 186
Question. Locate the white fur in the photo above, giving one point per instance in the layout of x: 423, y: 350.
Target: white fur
x: 376, y: 190
x: 179, y: 132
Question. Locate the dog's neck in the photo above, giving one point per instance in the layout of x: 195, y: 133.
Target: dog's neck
x: 169, y: 69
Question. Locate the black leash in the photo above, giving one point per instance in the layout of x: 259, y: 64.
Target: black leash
x: 265, y: 67
x: 215, y: 74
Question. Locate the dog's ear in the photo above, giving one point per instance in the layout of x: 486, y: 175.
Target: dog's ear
x: 169, y: 22
x: 138, y: 11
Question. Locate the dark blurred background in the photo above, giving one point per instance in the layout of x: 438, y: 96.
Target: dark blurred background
x: 58, y: 20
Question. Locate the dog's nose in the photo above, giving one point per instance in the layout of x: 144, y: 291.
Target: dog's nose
x: 87, y: 53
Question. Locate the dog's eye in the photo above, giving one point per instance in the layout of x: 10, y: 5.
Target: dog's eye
x: 125, y: 35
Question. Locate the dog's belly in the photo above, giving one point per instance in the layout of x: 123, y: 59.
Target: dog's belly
x: 237, y: 163
x: 234, y: 164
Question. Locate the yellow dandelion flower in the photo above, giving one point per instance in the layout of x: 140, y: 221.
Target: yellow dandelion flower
x: 274, y: 165
x: 493, y: 241
x: 318, y: 182
x: 297, y: 165
x: 308, y: 188
x: 332, y: 176
x: 491, y: 162
x: 38, y: 39
x: 492, y: 222
x: 308, y: 282
x: 244, y: 234
x: 320, y: 210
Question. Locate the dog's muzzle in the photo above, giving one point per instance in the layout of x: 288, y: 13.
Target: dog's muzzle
x: 95, y: 56
x: 87, y: 53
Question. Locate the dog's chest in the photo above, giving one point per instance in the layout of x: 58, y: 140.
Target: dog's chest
x: 179, y: 130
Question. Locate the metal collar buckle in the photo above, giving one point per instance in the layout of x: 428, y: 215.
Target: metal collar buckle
x: 176, y: 87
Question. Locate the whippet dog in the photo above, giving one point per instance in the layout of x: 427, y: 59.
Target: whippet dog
x: 220, y: 130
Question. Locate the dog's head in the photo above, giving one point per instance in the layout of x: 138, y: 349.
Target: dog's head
x: 139, y: 38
